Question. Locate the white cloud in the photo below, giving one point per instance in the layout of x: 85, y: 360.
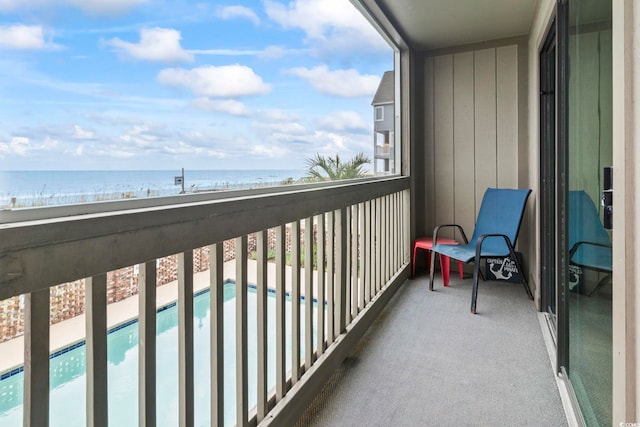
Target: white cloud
x: 22, y: 146
x: 344, y: 121
x: 105, y: 7
x: 228, y: 106
x: 182, y: 148
x: 19, y: 145
x: 270, y: 52
x: 275, y: 115
x: 156, y: 44
x: 270, y: 151
x: 90, y: 7
x: 211, y: 81
x: 330, y: 24
x: 342, y: 83
x: 277, y: 52
x: 292, y: 129
x: 237, y: 11
x: 225, y: 52
x: 22, y: 37
x: 115, y: 151
x: 79, y: 133
x: 140, y: 136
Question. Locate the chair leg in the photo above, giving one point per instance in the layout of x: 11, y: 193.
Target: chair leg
x: 413, y: 263
x: 460, y: 270
x: 525, y: 282
x: 474, y: 290
x: 432, y: 270
x: 606, y: 279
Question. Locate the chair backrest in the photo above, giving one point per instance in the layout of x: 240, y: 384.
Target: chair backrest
x: 501, y: 212
x: 584, y: 221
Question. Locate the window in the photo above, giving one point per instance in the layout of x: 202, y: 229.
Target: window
x: 238, y: 92
x: 379, y: 114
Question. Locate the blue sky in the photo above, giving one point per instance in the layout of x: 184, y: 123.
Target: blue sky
x: 164, y: 84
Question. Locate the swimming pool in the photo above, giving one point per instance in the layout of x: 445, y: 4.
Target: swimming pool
x: 68, y: 380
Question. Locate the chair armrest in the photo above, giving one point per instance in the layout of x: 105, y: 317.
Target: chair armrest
x: 484, y: 236
x: 438, y: 227
x: 575, y: 247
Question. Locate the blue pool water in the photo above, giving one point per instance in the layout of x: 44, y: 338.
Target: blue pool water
x: 68, y: 395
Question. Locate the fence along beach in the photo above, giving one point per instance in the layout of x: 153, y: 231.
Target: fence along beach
x: 23, y: 189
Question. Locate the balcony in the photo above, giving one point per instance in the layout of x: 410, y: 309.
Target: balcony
x: 384, y: 151
x: 355, y: 232
x: 426, y: 359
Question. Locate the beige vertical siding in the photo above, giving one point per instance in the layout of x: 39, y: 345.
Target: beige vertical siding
x: 429, y: 135
x: 443, y: 127
x: 485, y: 135
x: 507, y: 118
x: 463, y: 139
x: 471, y: 128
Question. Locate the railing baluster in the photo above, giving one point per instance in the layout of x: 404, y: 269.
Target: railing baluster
x: 383, y: 242
x: 281, y: 368
x: 342, y: 251
x: 392, y: 234
x: 36, y: 359
x: 375, y: 230
x: 320, y: 242
x: 308, y: 293
x: 367, y: 231
x: 387, y: 226
x: 261, y: 327
x: 216, y: 303
x: 360, y: 265
x: 242, y: 385
x: 295, y: 302
x: 185, y: 338
x: 396, y: 231
x: 331, y: 278
x: 347, y: 267
x: 407, y: 232
x: 96, y: 350
x: 392, y: 238
x: 147, y: 278
x: 354, y: 261
x: 379, y: 231
x: 398, y: 239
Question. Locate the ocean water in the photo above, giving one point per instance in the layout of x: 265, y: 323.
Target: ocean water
x: 39, y: 188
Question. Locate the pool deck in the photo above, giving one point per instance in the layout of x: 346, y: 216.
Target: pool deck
x: 72, y: 331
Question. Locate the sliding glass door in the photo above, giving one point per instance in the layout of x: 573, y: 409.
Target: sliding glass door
x: 575, y: 190
x: 589, y: 147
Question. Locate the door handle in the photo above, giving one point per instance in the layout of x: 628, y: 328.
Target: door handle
x: 607, y: 197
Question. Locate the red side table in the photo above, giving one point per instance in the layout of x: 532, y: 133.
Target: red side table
x: 426, y: 243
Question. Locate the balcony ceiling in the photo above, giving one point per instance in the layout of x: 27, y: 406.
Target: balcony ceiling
x: 434, y: 24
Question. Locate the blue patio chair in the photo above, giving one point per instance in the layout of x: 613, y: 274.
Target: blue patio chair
x: 495, y: 235
x: 589, y: 243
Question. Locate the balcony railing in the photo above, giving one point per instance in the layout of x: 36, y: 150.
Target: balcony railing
x: 360, y: 230
x: 384, y: 151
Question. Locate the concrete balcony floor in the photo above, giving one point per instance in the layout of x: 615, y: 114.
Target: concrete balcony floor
x: 427, y: 361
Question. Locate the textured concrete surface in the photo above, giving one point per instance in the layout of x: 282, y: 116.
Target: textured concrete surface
x: 427, y: 361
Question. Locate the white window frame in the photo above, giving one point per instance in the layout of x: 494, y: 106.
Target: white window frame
x: 379, y: 108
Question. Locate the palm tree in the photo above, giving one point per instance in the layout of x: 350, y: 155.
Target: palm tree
x: 321, y: 168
